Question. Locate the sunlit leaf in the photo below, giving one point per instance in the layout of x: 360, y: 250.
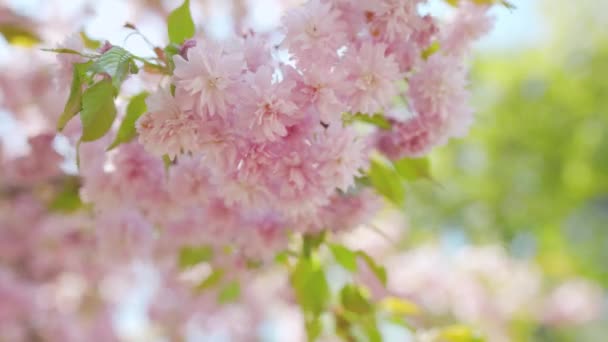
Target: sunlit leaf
x: 354, y: 300
x: 74, y: 103
x: 377, y: 119
x: 212, y: 280
x: 432, y: 49
x: 180, y: 24
x: 378, y: 270
x: 312, y: 242
x: 230, y: 293
x: 386, y: 181
x: 190, y: 256
x: 68, y: 199
x: 20, y: 36
x: 89, y: 42
x: 136, y: 108
x: 314, y: 328
x: 310, y: 286
x: 460, y: 333
x: 399, y: 306
x: 98, y: 110
x: 344, y: 256
x: 117, y: 63
x: 413, y: 169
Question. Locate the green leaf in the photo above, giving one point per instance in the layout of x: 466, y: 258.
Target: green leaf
x: 378, y: 270
x: 460, y: 333
x: 429, y: 51
x: 399, y: 306
x: 312, y: 242
x: 74, y: 103
x: 387, y: 182
x: 167, y: 162
x: 98, y: 110
x: 314, y: 328
x: 192, y: 256
x: 230, y: 293
x: 116, y: 62
x: 505, y: 3
x: 413, y: 169
x: 136, y: 108
x: 180, y: 24
x: 344, y: 256
x: 62, y: 50
x: 370, y: 327
x: 310, y: 286
x: 212, y: 280
x: 170, y: 51
x: 68, y: 200
x: 88, y: 42
x: 354, y: 300
x: 377, y: 119
x: 20, y: 36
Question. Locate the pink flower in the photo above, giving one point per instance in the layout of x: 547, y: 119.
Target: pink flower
x: 209, y: 75
x: 373, y: 76
x: 138, y: 177
x: 123, y: 234
x: 265, y: 106
x: 574, y: 302
x: 40, y: 165
x: 327, y: 90
x: 439, y: 89
x: 244, y: 179
x: 189, y: 182
x: 469, y: 23
x: 314, y: 30
x: 342, y: 155
x: 166, y: 129
x: 256, y: 51
x: 413, y: 138
x: 394, y: 19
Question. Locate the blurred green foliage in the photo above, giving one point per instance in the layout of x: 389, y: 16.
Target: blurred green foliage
x: 533, y: 174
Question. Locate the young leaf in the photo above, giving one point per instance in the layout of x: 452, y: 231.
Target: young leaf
x: 230, y: 293
x: 74, y: 104
x: 344, y: 256
x: 62, y: 50
x: 68, y: 200
x: 19, y: 36
x: 88, y: 42
x: 312, y: 242
x: 98, y: 110
x: 213, y: 279
x: 460, y: 333
x: 377, y: 119
x: 314, y: 328
x: 180, y: 24
x: 413, y: 169
x: 378, y: 270
x: 387, y: 182
x: 310, y: 286
x: 354, y: 300
x: 135, y: 109
x: 116, y: 62
x: 428, y: 52
x: 192, y: 256
x: 399, y: 307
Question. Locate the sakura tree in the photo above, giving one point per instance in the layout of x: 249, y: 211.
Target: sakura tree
x: 216, y: 179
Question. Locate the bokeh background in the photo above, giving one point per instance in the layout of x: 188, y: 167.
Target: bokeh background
x: 528, y: 186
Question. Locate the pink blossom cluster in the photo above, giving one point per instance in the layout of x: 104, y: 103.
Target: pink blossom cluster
x: 485, y: 287
x: 258, y: 152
